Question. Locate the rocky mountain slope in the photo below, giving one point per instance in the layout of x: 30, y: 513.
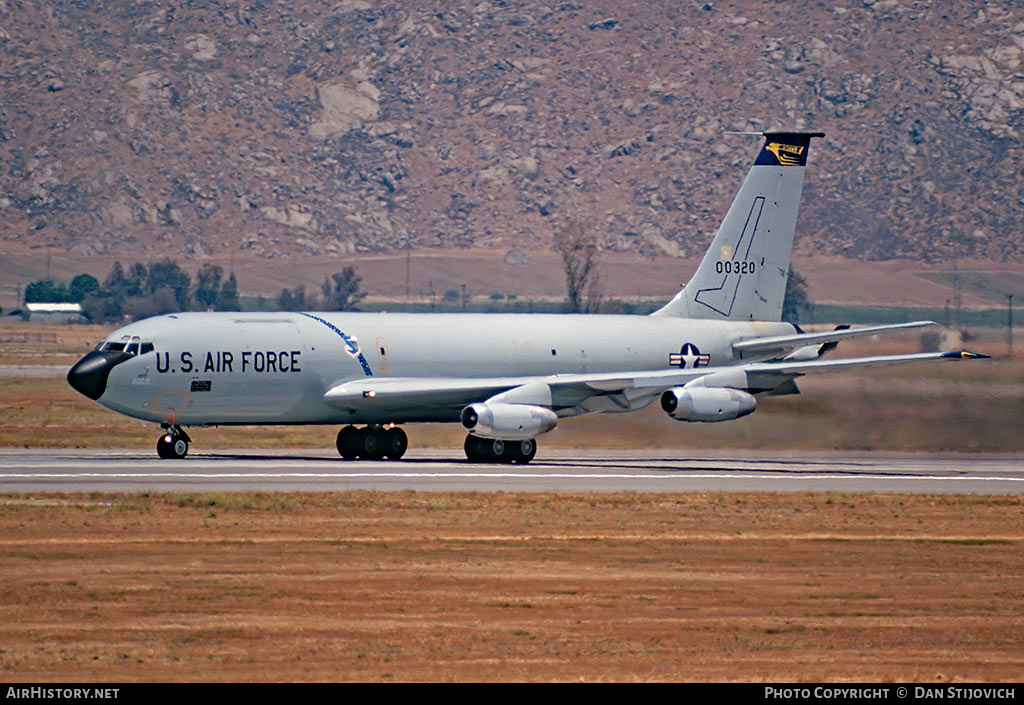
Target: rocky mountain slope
x: 265, y: 129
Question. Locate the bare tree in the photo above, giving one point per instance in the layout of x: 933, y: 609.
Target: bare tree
x: 577, y: 247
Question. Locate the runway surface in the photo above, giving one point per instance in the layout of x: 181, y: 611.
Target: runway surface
x: 554, y: 470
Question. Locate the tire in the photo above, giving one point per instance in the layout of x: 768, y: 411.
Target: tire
x: 395, y: 443
x: 171, y: 447
x: 474, y: 449
x: 524, y: 451
x: 348, y: 442
x: 498, y: 451
x: 371, y: 444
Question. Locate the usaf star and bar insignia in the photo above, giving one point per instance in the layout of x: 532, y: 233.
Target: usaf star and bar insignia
x: 689, y: 356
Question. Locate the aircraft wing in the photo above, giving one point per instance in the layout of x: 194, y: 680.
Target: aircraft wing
x: 574, y: 394
x: 755, y: 377
x: 568, y: 394
x: 419, y: 390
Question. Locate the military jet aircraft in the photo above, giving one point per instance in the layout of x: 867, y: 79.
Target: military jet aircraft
x: 508, y: 378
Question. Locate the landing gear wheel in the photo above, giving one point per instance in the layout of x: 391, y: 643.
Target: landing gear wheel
x: 371, y: 445
x: 495, y: 450
x: 499, y: 451
x: 524, y: 451
x: 173, y: 445
x: 395, y: 443
x: 481, y: 450
x: 349, y: 442
x: 474, y: 447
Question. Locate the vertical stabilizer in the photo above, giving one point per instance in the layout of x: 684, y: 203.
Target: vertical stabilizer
x: 743, y: 274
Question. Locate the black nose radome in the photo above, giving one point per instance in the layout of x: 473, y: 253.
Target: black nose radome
x: 89, y: 375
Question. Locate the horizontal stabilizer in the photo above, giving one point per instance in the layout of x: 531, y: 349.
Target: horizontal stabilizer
x: 788, y: 342
x: 803, y: 367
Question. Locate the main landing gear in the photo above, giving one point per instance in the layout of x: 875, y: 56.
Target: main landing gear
x: 492, y: 450
x: 173, y: 444
x: 372, y: 443
x: 375, y: 442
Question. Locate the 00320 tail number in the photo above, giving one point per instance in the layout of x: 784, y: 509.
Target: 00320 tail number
x: 731, y: 267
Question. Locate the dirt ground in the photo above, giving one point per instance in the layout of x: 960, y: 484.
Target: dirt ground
x: 482, y: 587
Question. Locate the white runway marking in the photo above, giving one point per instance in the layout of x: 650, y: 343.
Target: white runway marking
x: 560, y: 471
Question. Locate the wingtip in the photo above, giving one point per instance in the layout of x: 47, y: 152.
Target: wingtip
x: 965, y: 355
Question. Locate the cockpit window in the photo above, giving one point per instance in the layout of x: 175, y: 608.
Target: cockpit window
x: 130, y: 346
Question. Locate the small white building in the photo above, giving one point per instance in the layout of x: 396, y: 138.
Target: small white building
x: 55, y: 313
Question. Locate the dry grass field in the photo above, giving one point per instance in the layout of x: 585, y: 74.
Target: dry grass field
x: 470, y: 587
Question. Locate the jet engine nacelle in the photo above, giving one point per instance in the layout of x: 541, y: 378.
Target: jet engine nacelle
x: 707, y: 403
x: 510, y: 422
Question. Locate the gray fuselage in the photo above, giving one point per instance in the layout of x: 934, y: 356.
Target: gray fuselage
x: 274, y: 368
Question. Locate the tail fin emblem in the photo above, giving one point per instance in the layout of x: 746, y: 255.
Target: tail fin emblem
x: 787, y: 154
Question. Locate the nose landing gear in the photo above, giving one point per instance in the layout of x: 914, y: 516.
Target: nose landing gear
x: 173, y: 444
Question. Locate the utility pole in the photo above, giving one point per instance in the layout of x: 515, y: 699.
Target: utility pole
x: 956, y: 292
x: 407, y: 243
x: 1009, y: 322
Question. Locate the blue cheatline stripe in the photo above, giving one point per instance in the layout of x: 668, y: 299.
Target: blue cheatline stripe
x: 353, y: 347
